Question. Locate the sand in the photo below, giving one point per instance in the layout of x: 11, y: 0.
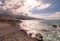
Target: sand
x: 10, y: 32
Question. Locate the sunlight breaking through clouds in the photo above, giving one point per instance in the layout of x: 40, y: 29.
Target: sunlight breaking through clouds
x: 30, y: 4
x: 26, y: 5
x: 21, y: 5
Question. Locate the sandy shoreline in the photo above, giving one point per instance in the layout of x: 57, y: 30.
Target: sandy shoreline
x: 10, y: 33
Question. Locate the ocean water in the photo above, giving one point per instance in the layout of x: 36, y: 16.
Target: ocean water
x: 53, y: 34
x: 49, y: 33
x: 51, y: 22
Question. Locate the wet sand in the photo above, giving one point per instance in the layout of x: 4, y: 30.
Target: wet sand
x: 10, y: 32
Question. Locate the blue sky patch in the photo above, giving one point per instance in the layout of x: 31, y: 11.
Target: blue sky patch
x: 55, y: 7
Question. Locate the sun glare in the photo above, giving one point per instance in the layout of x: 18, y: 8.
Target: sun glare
x: 30, y: 2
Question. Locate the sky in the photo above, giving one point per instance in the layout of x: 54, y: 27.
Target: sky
x: 51, y: 7
x: 48, y: 9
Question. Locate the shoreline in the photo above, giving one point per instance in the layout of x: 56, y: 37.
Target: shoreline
x: 9, y: 33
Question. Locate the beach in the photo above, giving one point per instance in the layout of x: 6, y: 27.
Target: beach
x: 10, y: 32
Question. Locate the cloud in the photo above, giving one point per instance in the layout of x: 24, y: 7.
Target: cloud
x: 24, y: 5
x: 29, y: 4
x: 0, y: 2
x: 37, y: 16
x: 55, y: 16
x: 43, y: 6
x: 13, y: 6
x: 20, y: 5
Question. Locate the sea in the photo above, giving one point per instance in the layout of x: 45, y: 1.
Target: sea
x: 49, y: 33
x: 51, y: 22
x: 54, y: 33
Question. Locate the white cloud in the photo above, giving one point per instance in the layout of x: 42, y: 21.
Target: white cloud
x: 13, y: 6
x: 16, y: 7
x: 37, y: 16
x: 0, y: 2
x: 29, y: 4
x: 43, y: 6
x: 21, y: 5
x: 55, y: 16
x: 24, y: 5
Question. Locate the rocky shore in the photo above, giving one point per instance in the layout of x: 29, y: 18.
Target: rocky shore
x: 10, y: 32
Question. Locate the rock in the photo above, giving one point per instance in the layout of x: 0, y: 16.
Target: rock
x: 54, y: 26
x: 59, y: 26
x: 37, y: 36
